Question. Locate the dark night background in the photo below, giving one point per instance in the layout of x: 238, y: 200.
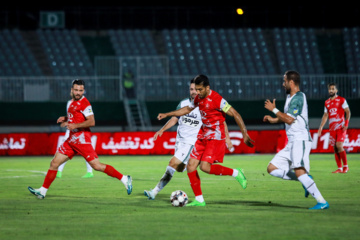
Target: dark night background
x: 107, y: 15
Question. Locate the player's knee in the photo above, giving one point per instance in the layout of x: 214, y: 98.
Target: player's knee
x: 205, y: 168
x: 271, y: 168
x: 180, y: 167
x: 339, y: 147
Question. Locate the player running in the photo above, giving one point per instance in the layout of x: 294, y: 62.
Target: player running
x: 292, y: 162
x: 210, y: 146
x: 186, y: 136
x: 80, y: 118
x: 89, y: 172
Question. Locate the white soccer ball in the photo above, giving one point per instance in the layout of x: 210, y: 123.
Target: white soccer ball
x: 179, y: 198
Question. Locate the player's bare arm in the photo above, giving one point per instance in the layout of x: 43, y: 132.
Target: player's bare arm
x: 268, y: 118
x: 227, y: 139
x: 89, y: 122
x: 239, y: 121
x: 64, y: 124
x: 282, y: 117
x: 323, y: 121
x: 61, y: 119
x: 347, y: 118
x: 168, y: 125
x: 177, y: 113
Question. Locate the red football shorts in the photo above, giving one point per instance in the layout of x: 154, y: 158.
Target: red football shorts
x: 209, y: 150
x: 337, y: 136
x: 85, y: 150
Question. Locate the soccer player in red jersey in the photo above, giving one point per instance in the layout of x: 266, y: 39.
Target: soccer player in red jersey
x: 210, y: 146
x: 338, y: 112
x: 80, y: 118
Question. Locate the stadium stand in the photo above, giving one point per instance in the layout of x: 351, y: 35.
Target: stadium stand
x: 352, y: 49
x: 15, y: 56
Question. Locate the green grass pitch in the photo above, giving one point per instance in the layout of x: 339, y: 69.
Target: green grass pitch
x: 99, y: 207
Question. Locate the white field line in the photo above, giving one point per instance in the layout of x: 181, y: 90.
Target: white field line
x: 40, y: 173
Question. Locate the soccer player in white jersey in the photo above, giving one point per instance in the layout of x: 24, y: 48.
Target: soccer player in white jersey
x: 186, y: 136
x: 292, y: 162
x: 89, y: 169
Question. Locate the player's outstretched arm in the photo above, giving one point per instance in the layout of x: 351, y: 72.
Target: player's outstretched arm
x: 168, y: 125
x: 177, y: 113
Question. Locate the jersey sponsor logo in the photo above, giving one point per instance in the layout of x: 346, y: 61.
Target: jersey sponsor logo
x: 192, y: 115
x: 190, y: 122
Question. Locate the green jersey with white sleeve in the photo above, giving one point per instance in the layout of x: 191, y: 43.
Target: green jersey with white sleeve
x: 189, y: 124
x: 296, y: 107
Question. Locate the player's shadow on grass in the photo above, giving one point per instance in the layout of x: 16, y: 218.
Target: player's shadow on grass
x: 255, y: 203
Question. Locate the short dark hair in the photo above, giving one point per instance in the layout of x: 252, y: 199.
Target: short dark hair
x: 192, y: 81
x: 78, y: 82
x: 202, y: 79
x: 332, y: 84
x: 293, y: 75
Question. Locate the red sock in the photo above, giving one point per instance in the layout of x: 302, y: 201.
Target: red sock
x: 338, y: 160
x: 49, y: 178
x: 112, y: 172
x: 343, y: 157
x: 195, y: 182
x: 220, y: 170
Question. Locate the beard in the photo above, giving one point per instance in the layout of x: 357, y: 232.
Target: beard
x: 331, y: 94
x: 75, y: 97
x: 287, y: 90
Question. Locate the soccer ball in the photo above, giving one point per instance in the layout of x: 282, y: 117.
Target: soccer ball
x: 179, y: 198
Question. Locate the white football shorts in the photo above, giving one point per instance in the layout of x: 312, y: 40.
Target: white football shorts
x: 182, y: 151
x: 294, y: 155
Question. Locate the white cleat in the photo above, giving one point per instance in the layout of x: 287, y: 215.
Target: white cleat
x: 149, y: 194
x: 36, y: 192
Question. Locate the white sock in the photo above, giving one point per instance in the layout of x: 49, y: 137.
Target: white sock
x: 61, y: 167
x: 165, y: 179
x: 290, y: 175
x: 88, y: 167
x: 124, y: 180
x: 43, y: 191
x: 199, y: 198
x: 156, y: 190
x: 310, y: 185
x: 235, y: 172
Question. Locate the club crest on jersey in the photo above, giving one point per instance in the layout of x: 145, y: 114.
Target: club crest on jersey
x: 295, y: 111
x: 333, y: 111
